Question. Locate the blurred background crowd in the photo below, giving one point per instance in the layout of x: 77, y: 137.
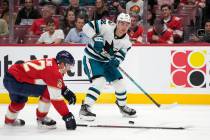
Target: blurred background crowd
x: 61, y: 21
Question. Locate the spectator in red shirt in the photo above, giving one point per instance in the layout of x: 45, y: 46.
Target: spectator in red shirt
x: 172, y: 22
x: 135, y: 31
x: 39, y: 25
x: 159, y: 33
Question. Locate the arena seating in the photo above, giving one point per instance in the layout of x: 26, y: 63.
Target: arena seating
x: 30, y: 39
x: 20, y: 31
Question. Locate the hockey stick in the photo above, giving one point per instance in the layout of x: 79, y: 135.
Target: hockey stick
x: 134, y: 127
x: 134, y: 82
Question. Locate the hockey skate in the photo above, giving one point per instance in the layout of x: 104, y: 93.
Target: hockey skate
x: 85, y: 113
x: 126, y: 111
x: 46, y: 122
x: 17, y: 122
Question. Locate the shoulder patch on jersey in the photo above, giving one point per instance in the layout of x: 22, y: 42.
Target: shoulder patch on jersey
x: 59, y: 83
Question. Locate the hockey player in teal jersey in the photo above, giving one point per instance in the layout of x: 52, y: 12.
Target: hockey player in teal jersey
x: 108, y: 49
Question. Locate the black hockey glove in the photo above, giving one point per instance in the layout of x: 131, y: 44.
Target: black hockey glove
x: 70, y: 121
x: 98, y: 43
x: 69, y: 95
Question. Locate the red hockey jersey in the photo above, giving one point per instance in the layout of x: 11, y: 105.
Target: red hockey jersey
x: 175, y: 23
x: 164, y: 37
x: 136, y: 35
x: 43, y: 71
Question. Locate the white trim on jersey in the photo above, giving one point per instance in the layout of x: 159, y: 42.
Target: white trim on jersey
x: 55, y: 93
x: 89, y: 67
x: 39, y: 82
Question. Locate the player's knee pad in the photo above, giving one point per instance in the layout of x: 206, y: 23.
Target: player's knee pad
x: 99, y: 83
x: 119, y: 86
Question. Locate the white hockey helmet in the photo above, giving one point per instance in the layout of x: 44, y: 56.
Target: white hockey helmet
x: 124, y: 17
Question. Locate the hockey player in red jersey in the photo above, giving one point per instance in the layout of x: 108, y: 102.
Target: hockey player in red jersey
x: 40, y: 78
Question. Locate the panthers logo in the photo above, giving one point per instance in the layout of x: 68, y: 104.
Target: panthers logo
x: 59, y: 83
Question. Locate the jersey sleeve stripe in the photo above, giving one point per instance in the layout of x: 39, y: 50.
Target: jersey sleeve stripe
x: 97, y: 26
x: 120, y: 57
x: 122, y: 53
x: 91, y: 25
x: 92, y: 50
x: 93, y: 55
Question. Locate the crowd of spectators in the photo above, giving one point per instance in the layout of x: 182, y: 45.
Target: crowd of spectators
x: 61, y: 21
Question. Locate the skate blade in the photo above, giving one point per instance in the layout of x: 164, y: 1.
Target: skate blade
x: 129, y: 116
x: 12, y: 126
x: 87, y: 118
x: 47, y: 127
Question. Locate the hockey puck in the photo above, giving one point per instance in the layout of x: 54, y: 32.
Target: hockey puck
x: 131, y: 122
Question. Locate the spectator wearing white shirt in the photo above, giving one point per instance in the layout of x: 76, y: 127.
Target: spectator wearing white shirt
x: 135, y: 7
x: 51, y: 36
x: 76, y: 35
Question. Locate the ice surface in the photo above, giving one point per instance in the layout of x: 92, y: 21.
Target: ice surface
x: 195, y: 118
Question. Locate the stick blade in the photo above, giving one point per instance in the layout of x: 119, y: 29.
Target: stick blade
x: 168, y: 106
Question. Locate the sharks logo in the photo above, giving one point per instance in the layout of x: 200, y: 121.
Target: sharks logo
x: 109, y: 48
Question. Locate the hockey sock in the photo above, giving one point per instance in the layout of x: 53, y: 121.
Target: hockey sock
x: 13, y: 111
x: 91, y: 96
x: 94, y: 91
x: 120, y: 92
x: 121, y: 98
x: 43, y: 109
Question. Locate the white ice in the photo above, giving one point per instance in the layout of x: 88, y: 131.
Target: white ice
x: 196, y: 119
